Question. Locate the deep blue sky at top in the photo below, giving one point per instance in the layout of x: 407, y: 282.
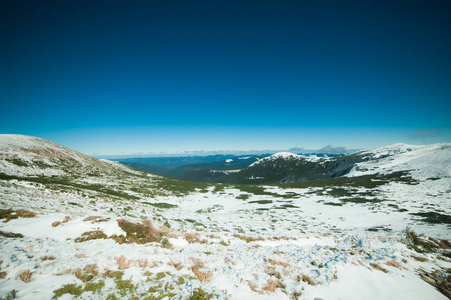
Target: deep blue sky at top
x: 99, y: 76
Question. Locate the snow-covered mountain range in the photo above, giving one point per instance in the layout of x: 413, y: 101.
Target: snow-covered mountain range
x: 75, y: 227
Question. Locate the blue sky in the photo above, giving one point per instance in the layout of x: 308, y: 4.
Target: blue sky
x: 121, y: 77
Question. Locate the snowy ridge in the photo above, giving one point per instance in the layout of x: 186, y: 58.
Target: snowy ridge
x: 428, y: 161
x: 288, y: 156
x: 22, y: 155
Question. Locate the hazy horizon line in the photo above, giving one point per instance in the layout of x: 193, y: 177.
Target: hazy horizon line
x: 298, y: 150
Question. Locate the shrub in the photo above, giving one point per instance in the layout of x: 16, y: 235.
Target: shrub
x: 140, y: 233
x: 200, y: 294
x: 25, y: 276
x: 166, y: 244
x: 417, y: 242
x: 11, y: 234
x: 72, y: 289
x: 91, y: 235
x: 10, y: 214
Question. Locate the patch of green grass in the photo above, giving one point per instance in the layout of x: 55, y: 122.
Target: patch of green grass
x: 179, y: 187
x: 243, y: 196
x: 378, y: 228
x: 17, y: 162
x: 63, y: 182
x: 434, y: 217
x: 224, y: 243
x: 72, y: 289
x: 216, y: 207
x: 289, y: 206
x: 200, y: 294
x: 180, y: 281
x: 261, y: 201
x: 360, y: 200
x: 161, y: 204
x: 333, y: 203
x: 94, y: 287
x: 113, y: 274
x: 125, y: 286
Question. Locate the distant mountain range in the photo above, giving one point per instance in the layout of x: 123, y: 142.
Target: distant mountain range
x: 285, y: 167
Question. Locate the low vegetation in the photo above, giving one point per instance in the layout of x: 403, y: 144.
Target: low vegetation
x: 10, y: 214
x: 417, y: 242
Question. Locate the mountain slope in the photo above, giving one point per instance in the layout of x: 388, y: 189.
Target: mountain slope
x: 430, y: 161
x: 422, y: 162
x: 32, y: 156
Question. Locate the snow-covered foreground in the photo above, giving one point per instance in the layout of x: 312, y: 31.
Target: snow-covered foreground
x: 222, y: 244
x: 341, y: 266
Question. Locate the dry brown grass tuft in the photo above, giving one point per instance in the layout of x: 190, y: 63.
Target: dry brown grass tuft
x: 91, y: 218
x: 253, y: 288
x: 92, y: 268
x: 142, y: 263
x: 81, y: 255
x: 25, y: 276
x: 419, y: 258
x: 443, y: 258
x: 192, y: 238
x: 141, y: 233
x: 178, y: 266
x: 197, y: 261
x: 112, y: 274
x: 393, y: 263
x: 229, y: 260
x: 87, y: 274
x: 96, y: 219
x: 272, y: 272
x: 272, y: 285
x: 91, y: 235
x: 248, y: 239
x: 11, y: 234
x: 378, y: 267
x: 22, y: 213
x: 57, y: 223
x: 279, y: 263
x: 122, y: 262
x: 202, y: 276
x: 2, y: 275
x: 47, y: 257
x: 304, y: 278
x: 278, y: 238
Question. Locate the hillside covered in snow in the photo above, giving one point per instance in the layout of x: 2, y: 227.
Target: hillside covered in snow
x: 73, y: 227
